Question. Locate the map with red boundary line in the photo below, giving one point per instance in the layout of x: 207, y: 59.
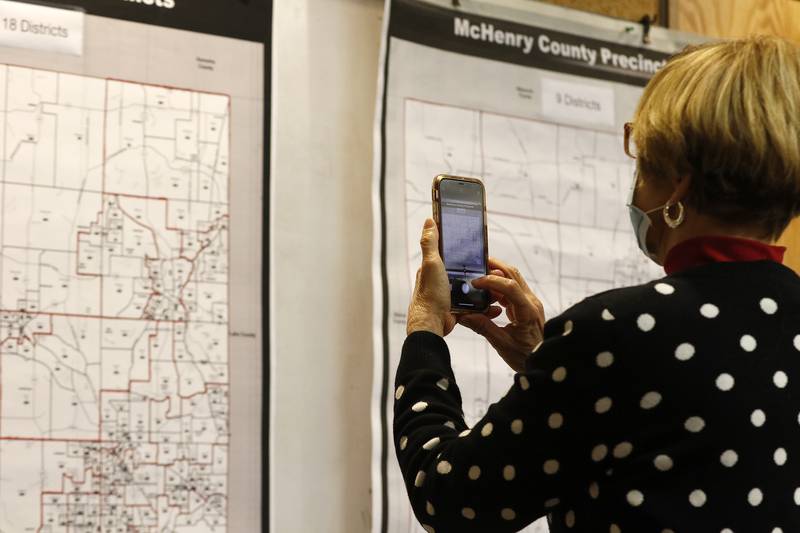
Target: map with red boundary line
x: 114, y: 374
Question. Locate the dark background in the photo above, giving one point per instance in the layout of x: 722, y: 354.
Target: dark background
x: 241, y: 19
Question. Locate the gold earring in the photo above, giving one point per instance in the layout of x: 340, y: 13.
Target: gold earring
x: 674, y: 222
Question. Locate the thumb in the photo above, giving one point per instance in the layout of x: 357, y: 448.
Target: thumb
x: 430, y: 241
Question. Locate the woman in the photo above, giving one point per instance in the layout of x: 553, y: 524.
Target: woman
x: 668, y: 407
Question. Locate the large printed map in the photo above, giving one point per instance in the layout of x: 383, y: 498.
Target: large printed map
x: 114, y: 376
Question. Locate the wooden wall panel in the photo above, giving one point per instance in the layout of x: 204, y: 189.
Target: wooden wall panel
x: 739, y: 18
x: 736, y: 18
x: 623, y: 9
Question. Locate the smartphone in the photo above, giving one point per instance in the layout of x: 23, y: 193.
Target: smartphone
x: 459, y: 209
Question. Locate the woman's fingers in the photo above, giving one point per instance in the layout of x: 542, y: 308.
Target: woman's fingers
x: 510, y: 289
x: 482, y: 325
x: 514, y: 273
x: 509, y: 271
x: 429, y: 242
x: 493, y: 312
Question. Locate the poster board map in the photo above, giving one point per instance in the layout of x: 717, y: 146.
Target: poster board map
x: 114, y: 372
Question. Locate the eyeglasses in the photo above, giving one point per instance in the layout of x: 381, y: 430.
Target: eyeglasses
x: 630, y: 145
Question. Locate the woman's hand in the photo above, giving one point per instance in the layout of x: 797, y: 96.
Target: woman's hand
x: 515, y: 341
x: 429, y: 309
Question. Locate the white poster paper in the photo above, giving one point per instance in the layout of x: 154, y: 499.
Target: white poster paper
x: 39, y: 27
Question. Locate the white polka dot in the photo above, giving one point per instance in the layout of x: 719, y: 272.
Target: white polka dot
x: 599, y: 453
x: 646, y: 322
x: 559, y: 374
x: 614, y: 528
x: 758, y: 417
x: 450, y: 424
x: 403, y: 443
x: 420, y: 479
x: 797, y: 342
x: 780, y: 379
x: 768, y: 305
x: 780, y: 456
x: 568, y: 325
x: 516, y: 426
x: 635, y: 498
x: 748, y: 343
x: 508, y: 514
x: 729, y: 458
x: 726, y: 530
x: 777, y: 530
x: 606, y: 315
x: 555, y: 420
x: 797, y: 496
x: 419, y: 407
x: 552, y: 502
x: 602, y: 405
x: 695, y: 424
x: 429, y: 508
x: 725, y: 382
x: 399, y: 392
x: 431, y: 444
x: 474, y: 472
x: 663, y: 462
x: 551, y: 466
x: 709, y: 310
x: 605, y: 359
x: 443, y: 383
x: 487, y: 428
x: 428, y: 529
x: 594, y: 490
x: 684, y: 352
x: 664, y: 288
x: 650, y: 400
x: 468, y: 513
x: 464, y: 433
x: 755, y: 497
x: 443, y: 467
x: 569, y: 519
x: 509, y: 472
x: 622, y: 450
x: 697, y: 498
x: 524, y: 384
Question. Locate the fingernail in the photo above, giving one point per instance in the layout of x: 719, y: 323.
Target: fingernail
x: 428, y: 223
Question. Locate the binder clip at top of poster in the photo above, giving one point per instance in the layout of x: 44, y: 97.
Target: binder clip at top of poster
x: 532, y: 99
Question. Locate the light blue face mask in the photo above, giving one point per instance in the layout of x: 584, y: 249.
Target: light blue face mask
x: 641, y: 222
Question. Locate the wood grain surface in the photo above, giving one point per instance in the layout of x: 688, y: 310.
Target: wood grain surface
x: 736, y: 18
x: 623, y: 9
x: 739, y: 18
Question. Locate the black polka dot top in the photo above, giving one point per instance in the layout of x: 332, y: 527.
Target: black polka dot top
x: 668, y: 407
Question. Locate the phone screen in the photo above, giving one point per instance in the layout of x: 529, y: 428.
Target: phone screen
x: 463, y: 241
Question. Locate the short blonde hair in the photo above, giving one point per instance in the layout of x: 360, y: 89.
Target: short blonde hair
x: 728, y: 114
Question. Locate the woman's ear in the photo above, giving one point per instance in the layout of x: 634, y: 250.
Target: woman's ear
x: 681, y: 185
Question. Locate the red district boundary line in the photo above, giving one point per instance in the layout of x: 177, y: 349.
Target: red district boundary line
x: 213, y: 226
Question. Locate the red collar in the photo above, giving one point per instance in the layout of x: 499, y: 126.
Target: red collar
x: 705, y: 250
